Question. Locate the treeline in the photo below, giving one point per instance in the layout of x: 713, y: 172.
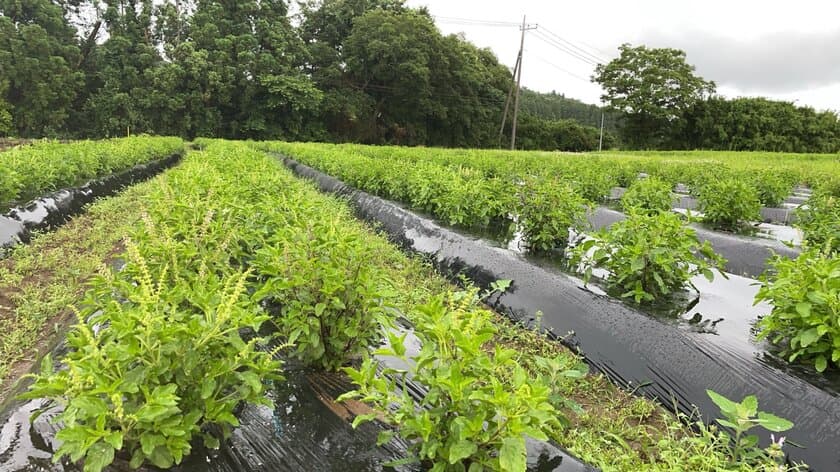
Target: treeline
x: 664, y: 104
x: 755, y: 124
x: 367, y: 71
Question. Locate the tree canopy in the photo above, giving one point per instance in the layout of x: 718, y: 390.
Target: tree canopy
x: 368, y: 71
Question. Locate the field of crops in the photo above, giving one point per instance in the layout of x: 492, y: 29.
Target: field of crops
x: 207, y: 288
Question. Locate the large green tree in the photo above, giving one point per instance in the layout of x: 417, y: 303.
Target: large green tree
x: 39, y: 59
x: 117, y: 82
x: 652, y: 87
x: 253, y: 58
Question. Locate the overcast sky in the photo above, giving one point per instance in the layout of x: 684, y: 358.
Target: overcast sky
x: 787, y: 50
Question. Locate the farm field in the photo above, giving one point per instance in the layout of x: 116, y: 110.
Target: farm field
x: 214, y: 284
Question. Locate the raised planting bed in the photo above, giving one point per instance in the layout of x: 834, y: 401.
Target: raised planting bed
x: 178, y: 348
x: 668, y: 360
x: 28, y: 172
x: 56, y: 208
x: 306, y: 428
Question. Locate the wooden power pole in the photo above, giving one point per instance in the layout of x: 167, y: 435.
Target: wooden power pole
x: 601, y: 137
x: 518, y: 74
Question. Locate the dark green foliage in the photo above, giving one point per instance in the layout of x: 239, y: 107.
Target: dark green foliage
x: 648, y: 256
x: 39, y: 75
x: 819, y: 219
x: 650, y: 195
x: 756, y: 124
x: 729, y: 203
x: 805, y: 295
x: 553, y: 107
x: 560, y: 135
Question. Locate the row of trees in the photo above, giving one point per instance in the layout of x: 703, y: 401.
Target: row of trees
x: 665, y: 105
x: 371, y: 71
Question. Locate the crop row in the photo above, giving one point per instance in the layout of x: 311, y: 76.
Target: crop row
x: 30, y: 171
x: 477, y: 187
x: 231, y: 245
x: 230, y: 248
x: 649, y: 256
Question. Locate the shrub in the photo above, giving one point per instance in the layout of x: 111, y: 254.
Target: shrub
x: 728, y: 203
x: 327, y: 290
x: 647, y: 256
x: 479, y: 401
x: 805, y: 295
x: 146, y: 375
x: 475, y: 201
x: 649, y: 195
x: 594, y: 183
x: 548, y: 210
x: 772, y: 189
x: 819, y: 220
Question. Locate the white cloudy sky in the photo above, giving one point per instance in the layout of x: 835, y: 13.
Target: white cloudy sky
x: 787, y: 50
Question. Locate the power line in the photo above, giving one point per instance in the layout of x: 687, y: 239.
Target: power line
x: 559, y: 46
x: 573, y: 46
x: 562, y: 69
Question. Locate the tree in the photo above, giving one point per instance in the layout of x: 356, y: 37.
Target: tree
x: 117, y: 80
x: 651, y: 87
x: 39, y: 57
x: 253, y: 57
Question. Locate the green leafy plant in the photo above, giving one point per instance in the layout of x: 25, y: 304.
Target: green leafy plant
x: 805, y: 295
x: 729, y: 203
x: 332, y: 307
x: 479, y: 403
x: 647, y: 256
x: 819, y: 220
x: 650, y: 195
x: 772, y: 188
x: 741, y: 418
x: 548, y: 210
x: 147, y: 374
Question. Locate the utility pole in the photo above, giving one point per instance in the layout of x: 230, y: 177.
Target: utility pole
x: 507, y: 102
x: 601, y: 138
x: 518, y: 73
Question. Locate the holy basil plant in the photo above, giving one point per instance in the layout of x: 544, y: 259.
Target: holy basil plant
x: 146, y: 372
x: 650, y: 195
x: 805, y: 319
x: 729, y: 203
x: 329, y: 295
x: 647, y: 256
x: 741, y: 417
x: 548, y: 210
x: 479, y: 404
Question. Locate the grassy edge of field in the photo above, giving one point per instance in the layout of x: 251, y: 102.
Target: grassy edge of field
x: 618, y: 431
x: 41, y: 281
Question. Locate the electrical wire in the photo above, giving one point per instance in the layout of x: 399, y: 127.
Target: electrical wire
x: 573, y: 46
x: 562, y: 69
x: 560, y: 47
